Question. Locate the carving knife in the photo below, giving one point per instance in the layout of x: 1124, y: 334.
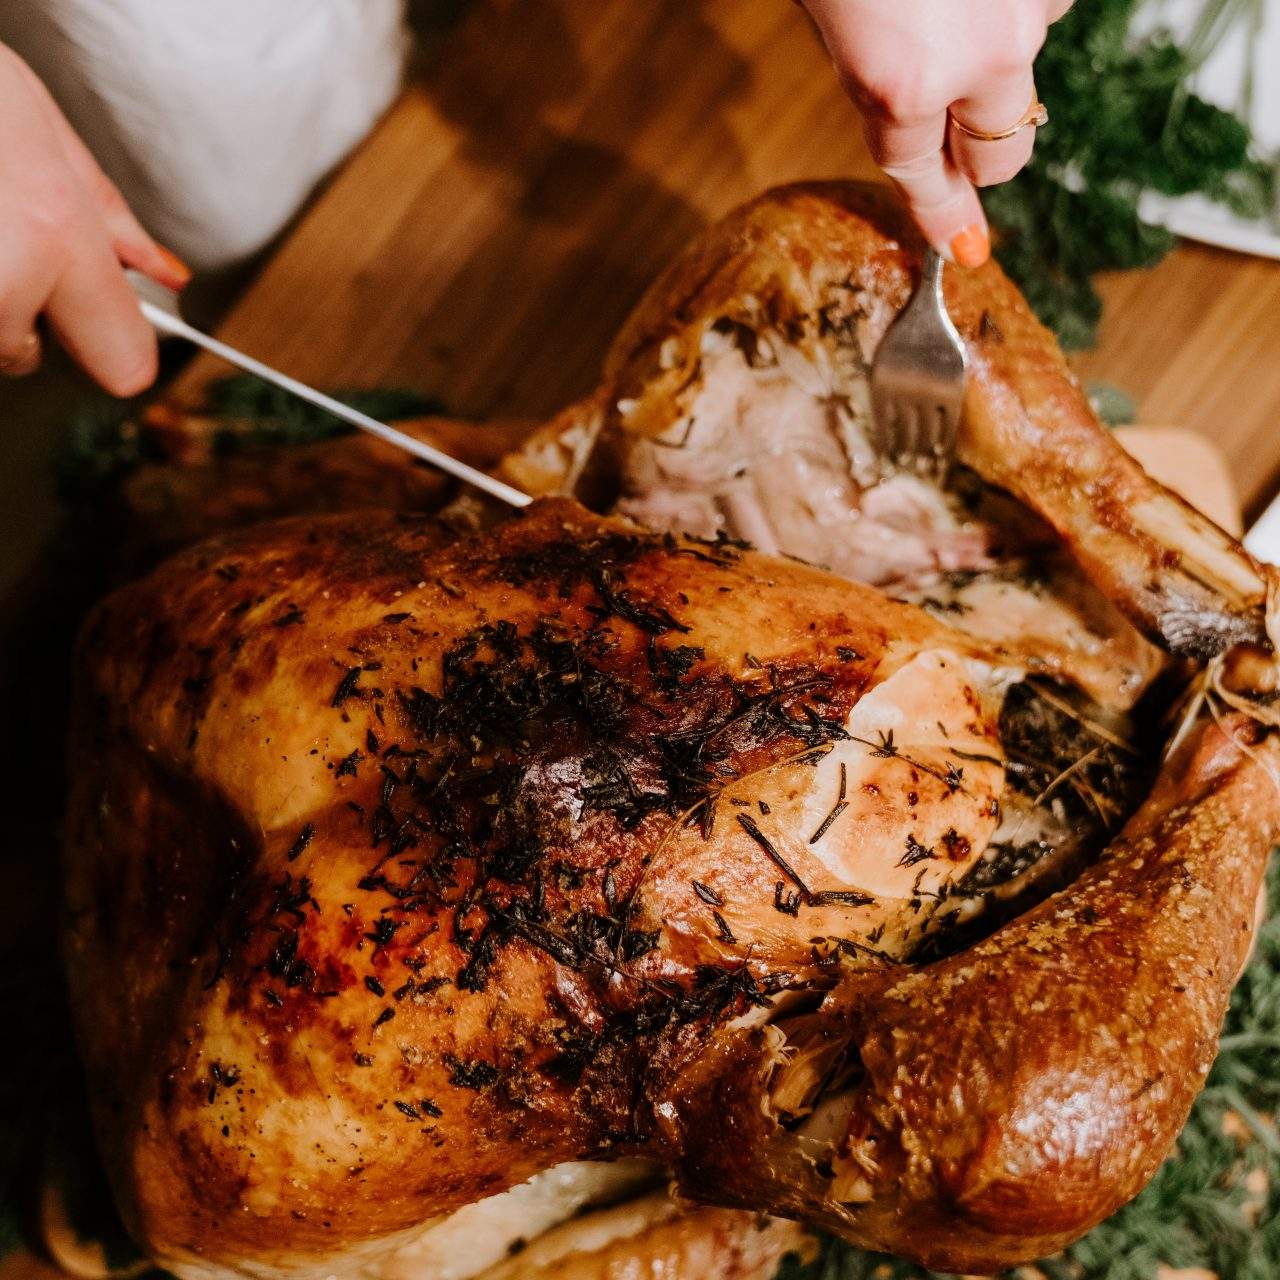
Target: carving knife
x: 160, y: 306
x: 1263, y: 539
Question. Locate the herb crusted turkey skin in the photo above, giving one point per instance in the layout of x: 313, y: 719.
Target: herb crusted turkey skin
x: 549, y: 876
x: 424, y: 861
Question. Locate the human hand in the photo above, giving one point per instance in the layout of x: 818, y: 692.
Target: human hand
x: 65, y: 232
x: 916, y: 67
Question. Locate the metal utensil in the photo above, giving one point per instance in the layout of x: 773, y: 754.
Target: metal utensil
x: 160, y: 306
x: 917, y: 380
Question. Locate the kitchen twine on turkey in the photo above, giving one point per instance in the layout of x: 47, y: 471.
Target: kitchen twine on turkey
x: 1211, y: 690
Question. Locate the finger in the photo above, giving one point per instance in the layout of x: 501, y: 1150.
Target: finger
x: 133, y: 245
x: 161, y: 264
x: 96, y: 317
x: 30, y: 263
x: 998, y: 106
x: 21, y: 356
x: 939, y: 197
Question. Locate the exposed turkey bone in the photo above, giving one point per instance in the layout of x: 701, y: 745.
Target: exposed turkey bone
x: 1028, y: 429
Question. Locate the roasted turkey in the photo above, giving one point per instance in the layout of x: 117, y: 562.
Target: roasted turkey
x: 848, y: 849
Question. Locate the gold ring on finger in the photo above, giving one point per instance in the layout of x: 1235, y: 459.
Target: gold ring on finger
x: 1032, y: 118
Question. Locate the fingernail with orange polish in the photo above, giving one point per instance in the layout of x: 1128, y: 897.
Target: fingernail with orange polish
x: 178, y: 272
x: 972, y: 246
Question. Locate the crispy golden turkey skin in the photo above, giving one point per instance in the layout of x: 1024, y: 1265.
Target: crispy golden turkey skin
x: 408, y: 861
x: 387, y: 893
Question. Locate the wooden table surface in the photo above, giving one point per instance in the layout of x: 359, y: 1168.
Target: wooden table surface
x: 488, y: 239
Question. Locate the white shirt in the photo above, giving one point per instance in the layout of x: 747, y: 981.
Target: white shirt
x: 215, y: 117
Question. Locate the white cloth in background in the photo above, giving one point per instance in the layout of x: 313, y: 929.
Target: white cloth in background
x: 215, y: 117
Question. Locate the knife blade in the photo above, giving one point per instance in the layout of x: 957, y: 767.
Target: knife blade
x: 1263, y: 539
x: 160, y: 306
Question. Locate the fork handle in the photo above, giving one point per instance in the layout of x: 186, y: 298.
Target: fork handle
x: 931, y: 272
x: 927, y: 296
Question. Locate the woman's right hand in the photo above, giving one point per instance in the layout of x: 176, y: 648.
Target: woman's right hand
x: 931, y: 78
x: 65, y: 236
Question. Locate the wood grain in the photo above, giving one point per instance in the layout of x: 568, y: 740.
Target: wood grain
x: 489, y: 238
x: 1197, y: 341
x: 1191, y: 466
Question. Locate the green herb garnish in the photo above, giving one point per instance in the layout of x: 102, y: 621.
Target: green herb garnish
x: 105, y: 441
x: 259, y: 413
x: 103, y: 444
x: 1123, y: 119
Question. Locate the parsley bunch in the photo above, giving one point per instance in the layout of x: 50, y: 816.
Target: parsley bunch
x: 104, y: 441
x: 260, y: 413
x: 1122, y: 120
